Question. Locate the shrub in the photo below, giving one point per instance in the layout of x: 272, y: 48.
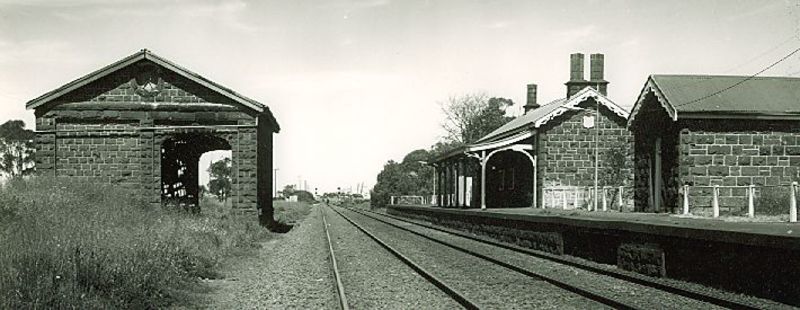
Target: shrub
x: 772, y: 201
x: 67, y: 244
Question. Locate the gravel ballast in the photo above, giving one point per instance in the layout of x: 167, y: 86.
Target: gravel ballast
x: 375, y: 279
x: 290, y: 272
x: 631, y: 293
x: 492, y: 286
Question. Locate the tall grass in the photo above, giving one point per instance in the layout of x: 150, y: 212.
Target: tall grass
x: 82, y: 245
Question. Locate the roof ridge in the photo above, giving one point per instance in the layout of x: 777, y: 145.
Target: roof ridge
x: 760, y: 77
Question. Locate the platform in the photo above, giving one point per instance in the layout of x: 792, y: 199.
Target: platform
x: 754, y: 258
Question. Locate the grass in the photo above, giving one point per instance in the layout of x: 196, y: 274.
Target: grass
x: 81, y: 245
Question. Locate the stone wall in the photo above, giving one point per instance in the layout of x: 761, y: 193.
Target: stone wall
x: 566, y: 149
x: 108, y: 131
x: 764, y: 154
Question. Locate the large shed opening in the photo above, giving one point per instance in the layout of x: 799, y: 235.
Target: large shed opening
x: 509, y: 180
x: 180, y: 171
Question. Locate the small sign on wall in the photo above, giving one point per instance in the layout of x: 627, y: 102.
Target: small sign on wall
x: 588, y: 121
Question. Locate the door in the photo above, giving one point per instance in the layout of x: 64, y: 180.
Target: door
x: 656, y: 185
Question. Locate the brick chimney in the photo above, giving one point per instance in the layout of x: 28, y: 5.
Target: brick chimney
x: 531, y: 103
x: 576, y: 79
x: 596, y: 62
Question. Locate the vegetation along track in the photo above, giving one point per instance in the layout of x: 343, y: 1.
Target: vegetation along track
x: 711, y: 296
x: 479, y: 277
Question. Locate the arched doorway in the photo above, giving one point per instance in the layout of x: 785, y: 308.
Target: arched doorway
x: 509, y: 180
x: 180, y: 155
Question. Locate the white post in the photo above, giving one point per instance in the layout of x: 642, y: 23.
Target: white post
x: 686, y: 199
x: 715, y: 202
x: 483, y: 180
x: 793, y: 203
x: 605, y: 203
x: 751, y: 210
x: 564, y: 199
x: 619, y: 192
x: 576, y: 200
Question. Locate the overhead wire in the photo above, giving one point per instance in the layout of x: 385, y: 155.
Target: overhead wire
x: 734, y: 85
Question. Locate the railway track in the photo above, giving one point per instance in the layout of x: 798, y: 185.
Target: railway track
x: 459, y: 296
x: 341, y: 295
x: 639, y: 280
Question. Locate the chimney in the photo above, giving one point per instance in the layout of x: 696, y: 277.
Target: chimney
x: 531, y: 104
x: 596, y: 63
x: 576, y: 67
x: 576, y: 81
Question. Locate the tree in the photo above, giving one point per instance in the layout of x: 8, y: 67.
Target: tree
x: 412, y: 176
x: 220, y: 178
x: 469, y: 117
x: 16, y: 149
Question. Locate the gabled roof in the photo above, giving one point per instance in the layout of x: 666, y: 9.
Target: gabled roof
x: 723, y: 96
x: 540, y: 116
x: 164, y: 63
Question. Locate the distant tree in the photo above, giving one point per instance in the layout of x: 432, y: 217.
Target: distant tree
x: 220, y: 178
x: 412, y: 176
x: 16, y: 149
x: 469, y: 117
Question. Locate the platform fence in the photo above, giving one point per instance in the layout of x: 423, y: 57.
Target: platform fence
x: 740, y: 200
x: 776, y: 201
x: 412, y: 200
x: 619, y: 198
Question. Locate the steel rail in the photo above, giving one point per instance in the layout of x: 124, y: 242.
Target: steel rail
x: 453, y: 293
x: 558, y: 283
x: 700, y: 296
x: 339, y: 286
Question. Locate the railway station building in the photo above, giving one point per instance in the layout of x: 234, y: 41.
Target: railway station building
x: 545, y: 157
x: 697, y: 131
x: 143, y: 123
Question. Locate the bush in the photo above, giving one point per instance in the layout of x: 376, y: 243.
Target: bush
x: 772, y: 201
x: 67, y: 244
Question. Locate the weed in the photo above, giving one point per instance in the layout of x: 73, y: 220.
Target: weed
x: 68, y: 244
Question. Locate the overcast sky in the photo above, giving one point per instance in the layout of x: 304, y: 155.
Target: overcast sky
x: 356, y: 83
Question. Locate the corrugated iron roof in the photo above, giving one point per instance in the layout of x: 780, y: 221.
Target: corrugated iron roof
x: 713, y: 93
x: 525, y: 119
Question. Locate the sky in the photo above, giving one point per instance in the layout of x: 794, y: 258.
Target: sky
x: 356, y: 83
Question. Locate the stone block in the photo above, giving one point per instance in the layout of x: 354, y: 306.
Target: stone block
x: 719, y: 171
x: 698, y: 171
x: 719, y: 150
x: 646, y: 258
x: 749, y: 171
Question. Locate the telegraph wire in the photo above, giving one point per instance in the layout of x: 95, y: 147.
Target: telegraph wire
x: 740, y: 82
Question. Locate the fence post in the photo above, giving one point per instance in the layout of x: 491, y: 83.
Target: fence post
x: 605, y: 203
x: 619, y: 192
x: 793, y: 203
x: 564, y: 199
x: 751, y: 209
x: 576, y: 201
x: 686, y: 199
x: 715, y: 202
